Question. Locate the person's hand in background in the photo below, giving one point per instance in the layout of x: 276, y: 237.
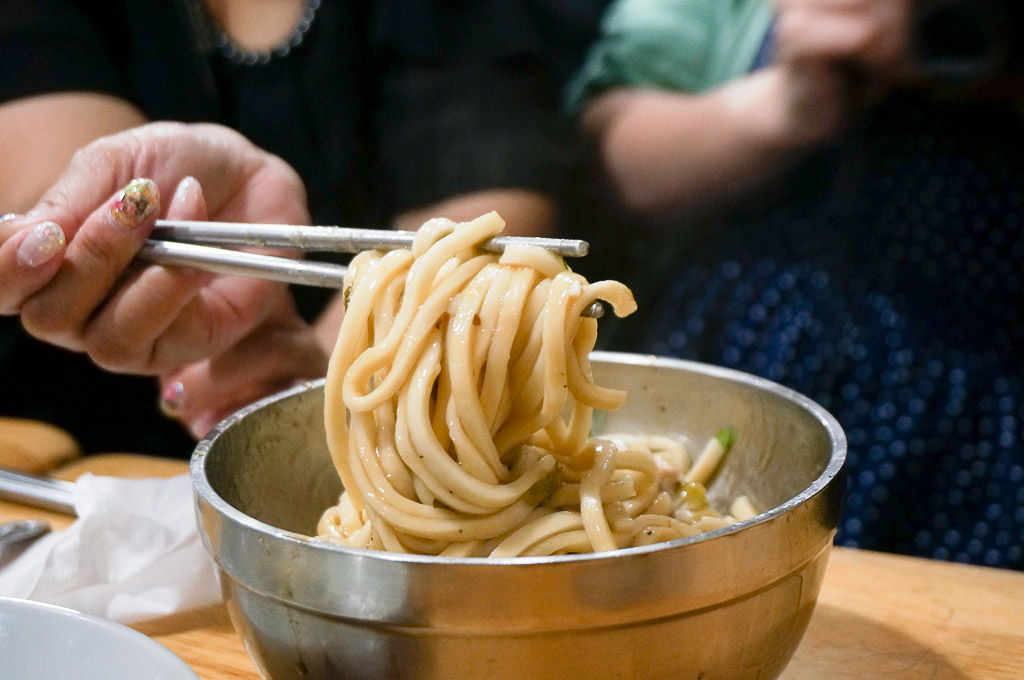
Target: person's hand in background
x: 832, y: 57
x: 669, y: 150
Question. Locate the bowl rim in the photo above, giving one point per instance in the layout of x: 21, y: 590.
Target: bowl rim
x: 202, y: 489
x: 115, y: 637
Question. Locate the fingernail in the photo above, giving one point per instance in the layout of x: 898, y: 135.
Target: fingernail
x: 186, y: 188
x: 133, y: 204
x: 8, y: 217
x: 172, y: 399
x: 43, y: 242
x: 200, y: 427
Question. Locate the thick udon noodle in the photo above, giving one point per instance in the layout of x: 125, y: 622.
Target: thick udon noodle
x: 458, y: 407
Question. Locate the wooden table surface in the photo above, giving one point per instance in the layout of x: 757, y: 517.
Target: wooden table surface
x: 879, y: 617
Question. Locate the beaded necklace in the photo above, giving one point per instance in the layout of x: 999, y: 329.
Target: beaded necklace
x: 236, y: 54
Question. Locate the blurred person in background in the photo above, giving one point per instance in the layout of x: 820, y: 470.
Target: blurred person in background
x: 834, y: 192
x: 280, y: 111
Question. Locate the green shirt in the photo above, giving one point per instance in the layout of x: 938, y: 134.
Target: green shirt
x: 686, y: 45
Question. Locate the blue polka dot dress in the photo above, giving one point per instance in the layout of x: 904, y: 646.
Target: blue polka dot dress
x: 895, y: 298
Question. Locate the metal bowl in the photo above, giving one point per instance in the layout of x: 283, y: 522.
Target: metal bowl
x: 732, y: 603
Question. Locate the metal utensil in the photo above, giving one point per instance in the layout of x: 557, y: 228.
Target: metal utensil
x: 224, y: 261
x: 191, y: 244
x: 15, y: 536
x: 24, y: 530
x: 331, y: 239
x: 41, y: 492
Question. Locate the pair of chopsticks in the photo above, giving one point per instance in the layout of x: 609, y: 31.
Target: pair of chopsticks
x: 198, y: 245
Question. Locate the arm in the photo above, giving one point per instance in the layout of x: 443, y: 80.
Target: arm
x: 668, y: 150
x: 525, y: 212
x: 57, y: 125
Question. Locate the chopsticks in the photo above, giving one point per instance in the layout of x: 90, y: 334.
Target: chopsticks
x: 224, y: 261
x: 188, y: 244
x: 330, y: 239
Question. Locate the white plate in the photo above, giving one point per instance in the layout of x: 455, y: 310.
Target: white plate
x: 45, y: 642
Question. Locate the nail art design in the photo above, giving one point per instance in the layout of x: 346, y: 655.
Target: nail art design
x: 43, y: 242
x: 135, y: 203
x: 172, y: 399
x: 186, y: 187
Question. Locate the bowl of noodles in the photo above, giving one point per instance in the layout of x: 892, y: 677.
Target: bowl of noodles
x: 472, y: 492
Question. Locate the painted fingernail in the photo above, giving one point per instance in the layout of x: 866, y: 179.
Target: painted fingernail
x: 133, y: 204
x: 43, y: 242
x: 187, y: 188
x: 8, y: 217
x: 172, y: 399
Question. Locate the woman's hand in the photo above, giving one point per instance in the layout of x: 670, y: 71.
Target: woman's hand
x: 86, y: 294
x: 68, y: 269
x: 276, y: 355
x: 870, y: 35
x: 833, y: 57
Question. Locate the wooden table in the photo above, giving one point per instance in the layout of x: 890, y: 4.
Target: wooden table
x: 879, y: 617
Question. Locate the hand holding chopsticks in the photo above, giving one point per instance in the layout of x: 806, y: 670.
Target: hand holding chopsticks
x: 67, y: 271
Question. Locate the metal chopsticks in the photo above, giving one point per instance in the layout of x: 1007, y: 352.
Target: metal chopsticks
x: 188, y: 244
x: 224, y: 261
x: 330, y: 239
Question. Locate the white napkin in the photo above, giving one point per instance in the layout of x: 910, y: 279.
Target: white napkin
x: 134, y: 554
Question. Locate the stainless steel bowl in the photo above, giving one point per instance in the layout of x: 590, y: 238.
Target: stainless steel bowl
x: 732, y: 603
